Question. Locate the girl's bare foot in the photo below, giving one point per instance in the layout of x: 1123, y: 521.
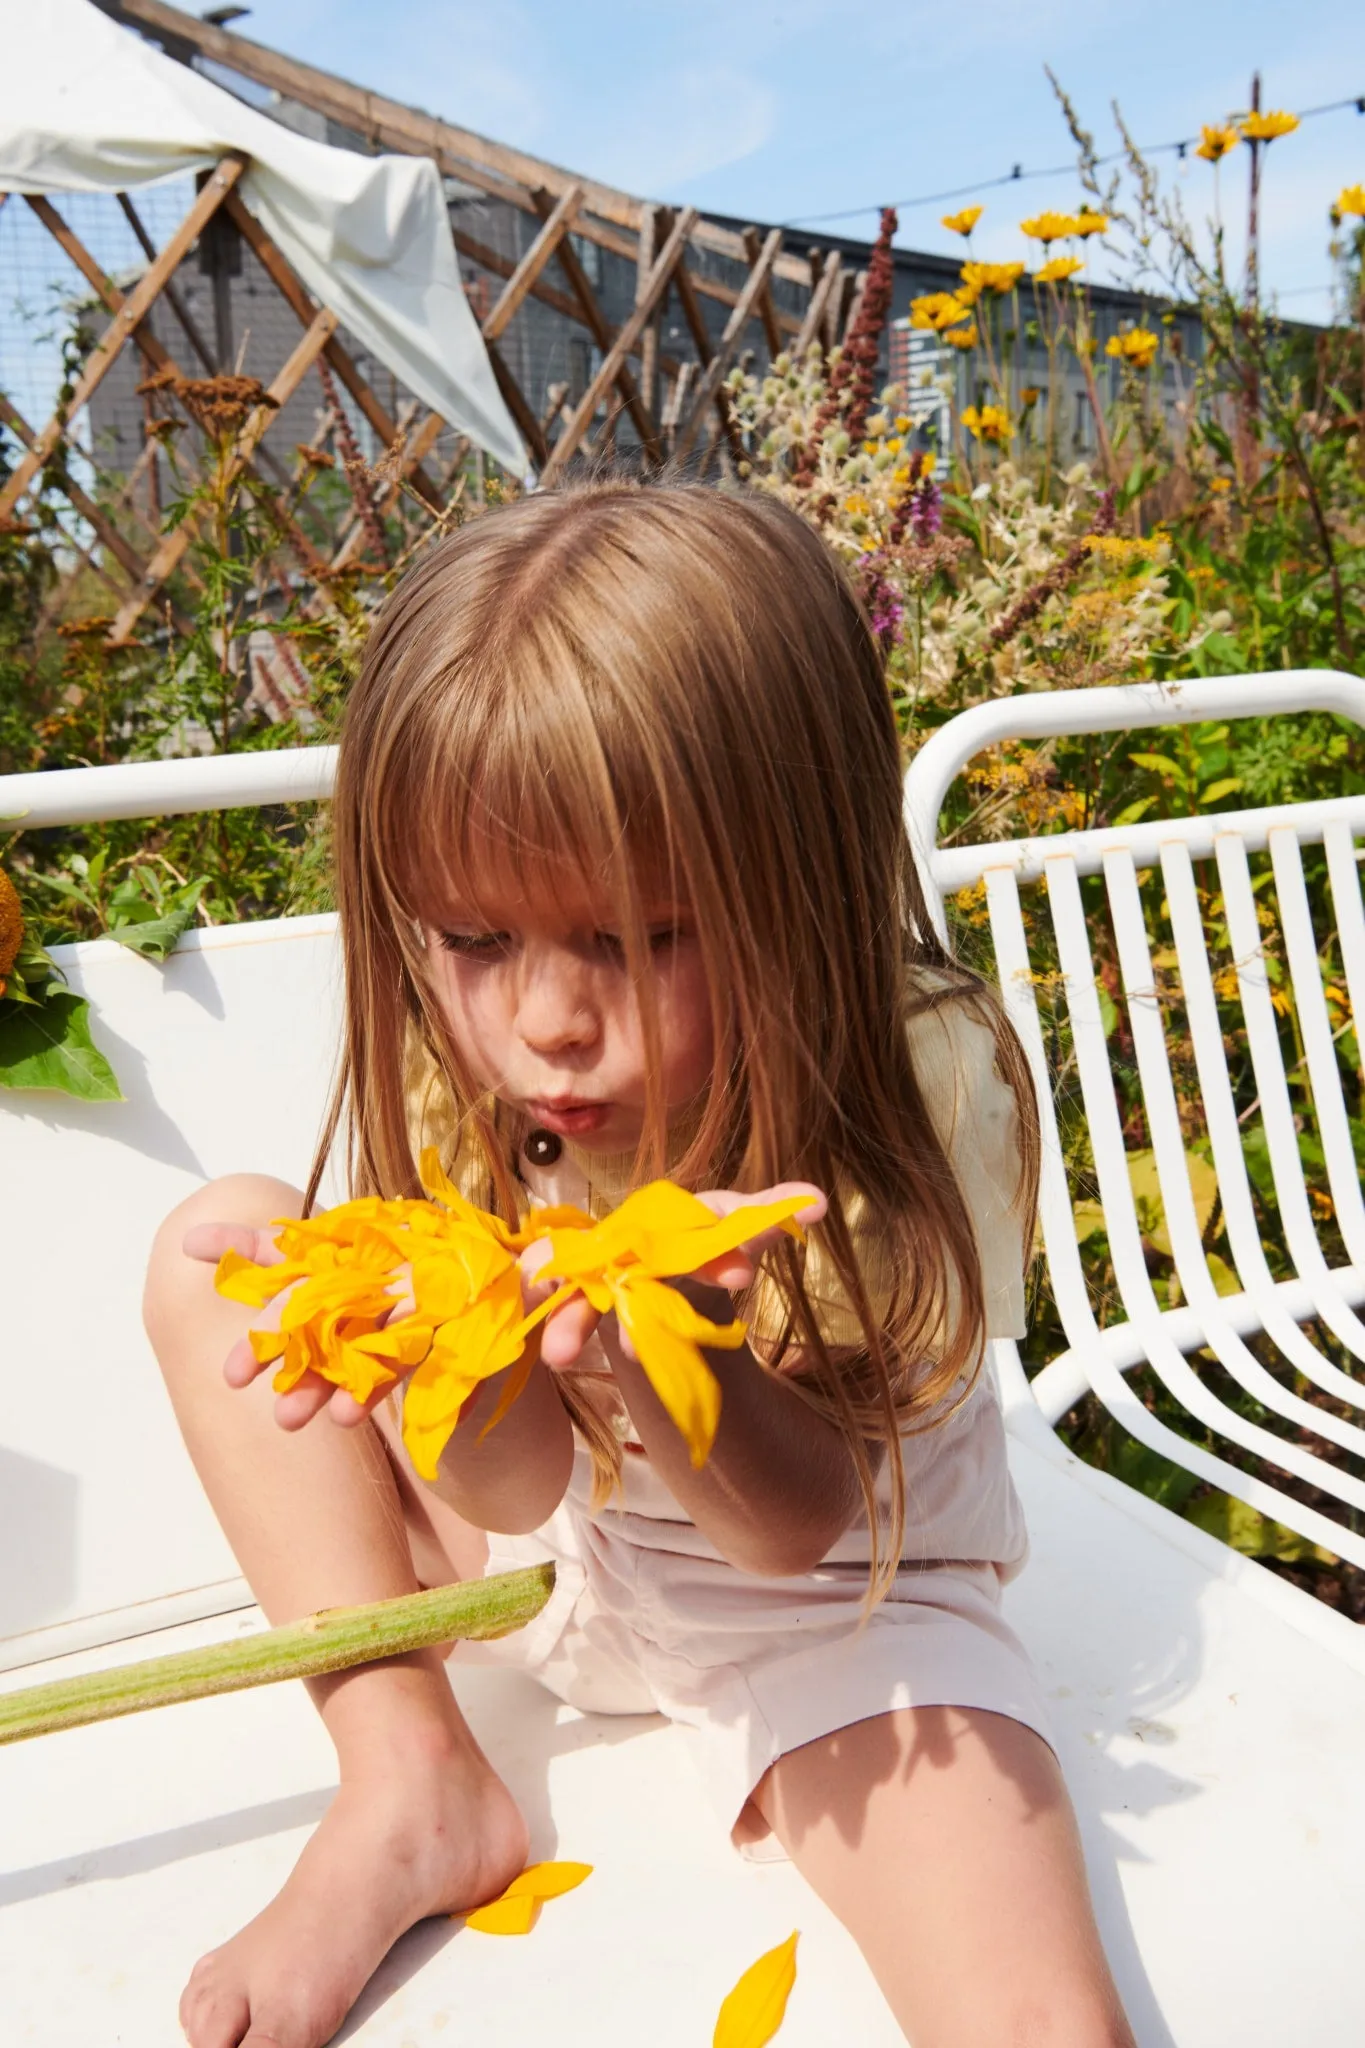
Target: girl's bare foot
x: 433, y: 1835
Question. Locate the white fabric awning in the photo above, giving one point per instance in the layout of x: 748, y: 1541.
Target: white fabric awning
x: 88, y: 106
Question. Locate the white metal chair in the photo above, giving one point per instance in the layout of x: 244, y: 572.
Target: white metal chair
x: 1208, y: 1714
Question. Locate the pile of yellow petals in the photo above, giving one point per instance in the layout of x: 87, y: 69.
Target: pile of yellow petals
x: 516, y: 1910
x: 1138, y: 346
x: 352, y: 1272
x: 625, y: 1263
x: 757, y: 2006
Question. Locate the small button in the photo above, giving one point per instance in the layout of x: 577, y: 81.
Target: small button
x: 543, y: 1148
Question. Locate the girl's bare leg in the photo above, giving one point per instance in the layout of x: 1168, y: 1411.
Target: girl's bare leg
x: 944, y: 1840
x: 421, y: 1824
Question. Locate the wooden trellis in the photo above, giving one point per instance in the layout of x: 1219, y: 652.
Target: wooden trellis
x: 677, y: 407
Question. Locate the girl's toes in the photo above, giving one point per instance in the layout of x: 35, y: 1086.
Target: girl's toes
x: 212, y: 2015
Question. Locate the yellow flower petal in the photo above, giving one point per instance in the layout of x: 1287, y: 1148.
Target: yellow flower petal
x: 757, y: 2006
x: 267, y: 1345
x: 548, y: 1880
x: 667, y: 1333
x: 515, y: 1911
x: 504, y: 1916
x: 238, y: 1279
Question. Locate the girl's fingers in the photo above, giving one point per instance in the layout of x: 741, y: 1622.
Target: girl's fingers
x: 346, y: 1411
x: 297, y: 1408
x: 734, y: 1270
x: 741, y: 1262
x: 208, y: 1241
x: 566, y: 1332
x: 240, y: 1367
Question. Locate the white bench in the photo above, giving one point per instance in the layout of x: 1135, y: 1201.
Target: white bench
x: 1210, y: 1715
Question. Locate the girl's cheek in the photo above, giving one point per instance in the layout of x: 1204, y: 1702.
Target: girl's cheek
x: 685, y: 1020
x: 474, y: 1016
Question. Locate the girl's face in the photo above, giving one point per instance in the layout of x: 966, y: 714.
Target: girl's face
x: 539, y: 999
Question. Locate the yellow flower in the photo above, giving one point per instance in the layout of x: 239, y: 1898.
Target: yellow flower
x: 962, y: 223
x: 516, y: 1910
x: 937, y: 310
x: 11, y: 927
x: 987, y: 424
x: 962, y: 337
x: 1060, y: 269
x: 468, y: 1320
x: 756, y: 2008
x: 1049, y: 227
x: 1216, y: 143
x: 1116, y: 547
x: 903, y: 423
x: 1220, y: 483
x: 1088, y: 223
x: 990, y: 277
x: 1137, y: 346
x: 1030, y: 395
x: 1351, y: 199
x: 1266, y: 127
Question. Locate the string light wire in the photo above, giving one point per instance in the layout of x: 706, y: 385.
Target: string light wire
x: 1019, y: 176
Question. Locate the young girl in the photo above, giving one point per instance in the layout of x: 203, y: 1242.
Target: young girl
x: 624, y: 891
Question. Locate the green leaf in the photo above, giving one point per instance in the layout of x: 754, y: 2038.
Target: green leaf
x: 49, y: 1045
x: 153, y: 937
x: 1089, y: 1219
x: 1132, y: 812
x: 1216, y: 791
x: 1225, y: 1281
x: 1160, y: 764
x: 1146, y: 1186
x: 1244, y: 1529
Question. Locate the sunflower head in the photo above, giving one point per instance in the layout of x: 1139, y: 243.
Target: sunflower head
x: 11, y: 927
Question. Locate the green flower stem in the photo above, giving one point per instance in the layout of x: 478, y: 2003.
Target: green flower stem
x: 333, y: 1640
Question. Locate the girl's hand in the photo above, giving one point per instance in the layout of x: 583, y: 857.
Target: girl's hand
x: 569, y: 1328
x: 208, y: 1241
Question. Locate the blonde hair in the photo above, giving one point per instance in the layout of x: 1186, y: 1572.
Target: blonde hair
x: 674, y: 687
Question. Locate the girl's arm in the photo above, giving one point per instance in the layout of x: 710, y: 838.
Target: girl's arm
x: 779, y: 1487
x: 515, y: 1478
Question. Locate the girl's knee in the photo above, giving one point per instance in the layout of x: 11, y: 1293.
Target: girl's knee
x: 175, y: 1280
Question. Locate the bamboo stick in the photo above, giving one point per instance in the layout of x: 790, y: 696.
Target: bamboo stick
x: 333, y: 1640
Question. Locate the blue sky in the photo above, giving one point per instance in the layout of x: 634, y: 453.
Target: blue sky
x: 784, y: 109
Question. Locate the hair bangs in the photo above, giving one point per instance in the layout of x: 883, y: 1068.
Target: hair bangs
x: 535, y: 786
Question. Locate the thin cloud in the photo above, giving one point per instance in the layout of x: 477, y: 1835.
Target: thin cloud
x: 716, y: 115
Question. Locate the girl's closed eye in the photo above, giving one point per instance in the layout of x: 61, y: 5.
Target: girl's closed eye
x: 660, y: 937
x: 476, y: 945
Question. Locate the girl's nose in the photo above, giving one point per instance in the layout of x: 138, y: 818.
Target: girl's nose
x: 556, y: 1012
